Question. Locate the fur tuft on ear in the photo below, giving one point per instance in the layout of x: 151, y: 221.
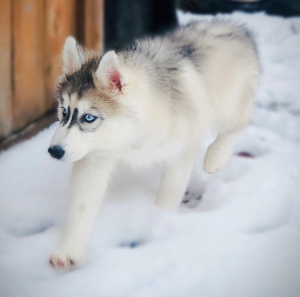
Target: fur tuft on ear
x: 109, y: 72
x: 73, y: 55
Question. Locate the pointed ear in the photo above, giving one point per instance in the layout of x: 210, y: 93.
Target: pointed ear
x: 109, y: 72
x: 73, y: 55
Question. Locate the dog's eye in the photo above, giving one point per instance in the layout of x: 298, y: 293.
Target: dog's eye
x: 89, y: 118
x: 64, y: 113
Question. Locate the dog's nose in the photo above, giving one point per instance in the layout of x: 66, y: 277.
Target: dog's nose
x: 56, y: 152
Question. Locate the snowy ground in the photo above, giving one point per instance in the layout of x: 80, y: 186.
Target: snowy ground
x: 242, y: 239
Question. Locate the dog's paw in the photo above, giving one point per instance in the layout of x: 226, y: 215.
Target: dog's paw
x: 211, y: 167
x: 64, y: 260
x: 213, y: 162
x: 191, y: 199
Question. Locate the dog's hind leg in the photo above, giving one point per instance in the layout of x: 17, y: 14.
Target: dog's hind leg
x: 195, y: 188
x: 174, y: 181
x: 219, y: 152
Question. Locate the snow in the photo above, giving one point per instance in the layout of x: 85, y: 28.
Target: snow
x: 241, y: 239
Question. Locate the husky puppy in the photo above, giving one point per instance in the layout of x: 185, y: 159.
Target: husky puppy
x: 153, y: 102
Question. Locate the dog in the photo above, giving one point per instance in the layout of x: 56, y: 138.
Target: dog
x: 151, y: 103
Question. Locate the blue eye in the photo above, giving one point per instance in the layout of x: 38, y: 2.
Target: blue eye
x: 89, y: 118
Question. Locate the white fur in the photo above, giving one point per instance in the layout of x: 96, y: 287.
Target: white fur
x: 88, y: 184
x: 109, y: 64
x: 148, y: 130
x: 73, y: 56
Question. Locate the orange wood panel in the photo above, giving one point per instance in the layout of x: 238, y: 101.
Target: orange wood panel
x: 32, y: 34
x: 29, y: 57
x: 5, y: 68
x: 94, y: 24
x: 60, y: 23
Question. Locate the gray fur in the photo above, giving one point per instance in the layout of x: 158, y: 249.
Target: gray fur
x: 79, y: 81
x: 162, y: 56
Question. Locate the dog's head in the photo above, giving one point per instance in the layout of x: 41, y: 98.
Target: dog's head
x: 94, y: 108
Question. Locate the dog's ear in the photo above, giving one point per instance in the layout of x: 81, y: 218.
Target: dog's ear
x: 109, y: 72
x: 73, y: 55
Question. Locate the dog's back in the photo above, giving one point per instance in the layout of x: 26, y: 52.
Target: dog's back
x: 197, y: 79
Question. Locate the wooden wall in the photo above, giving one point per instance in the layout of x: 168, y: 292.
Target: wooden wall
x: 32, y: 33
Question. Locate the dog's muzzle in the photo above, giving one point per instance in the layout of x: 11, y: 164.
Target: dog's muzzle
x: 56, y: 152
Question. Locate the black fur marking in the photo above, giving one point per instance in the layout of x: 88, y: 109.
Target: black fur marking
x: 67, y: 117
x: 80, y: 81
x: 82, y: 120
x: 74, y: 118
x: 131, y: 47
x: 187, y: 51
x: 172, y: 69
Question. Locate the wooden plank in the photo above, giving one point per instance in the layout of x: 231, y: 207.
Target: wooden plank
x: 60, y: 23
x: 94, y: 24
x: 28, y: 132
x: 5, y: 68
x: 29, y: 80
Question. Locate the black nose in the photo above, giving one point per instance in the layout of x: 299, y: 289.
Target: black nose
x: 56, y: 151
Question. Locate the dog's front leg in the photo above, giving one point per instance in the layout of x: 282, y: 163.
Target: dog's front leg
x: 88, y: 183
